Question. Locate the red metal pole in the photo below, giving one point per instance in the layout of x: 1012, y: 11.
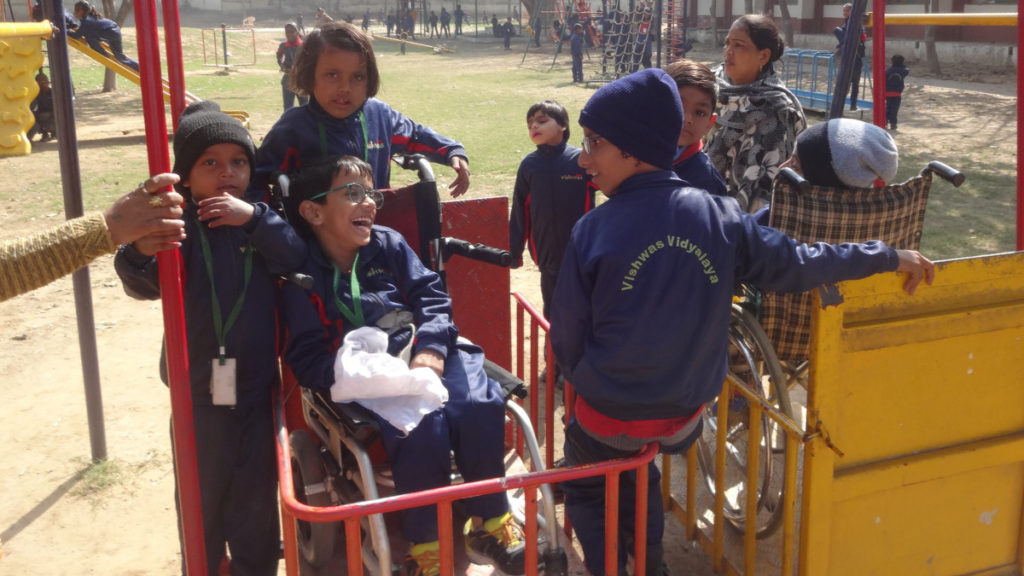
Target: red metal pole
x: 878, y: 63
x: 175, y: 66
x: 170, y: 289
x: 611, y: 523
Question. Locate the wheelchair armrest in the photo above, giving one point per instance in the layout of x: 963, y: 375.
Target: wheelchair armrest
x: 947, y: 173
x: 510, y: 385
x: 357, y: 420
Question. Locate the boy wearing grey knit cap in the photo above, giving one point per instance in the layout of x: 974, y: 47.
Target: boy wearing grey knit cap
x: 232, y: 255
x: 845, y: 153
x: 640, y: 318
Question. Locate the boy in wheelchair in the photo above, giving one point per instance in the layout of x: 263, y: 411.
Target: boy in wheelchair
x: 362, y: 275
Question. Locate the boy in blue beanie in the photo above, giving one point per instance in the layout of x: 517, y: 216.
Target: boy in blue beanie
x: 640, y: 317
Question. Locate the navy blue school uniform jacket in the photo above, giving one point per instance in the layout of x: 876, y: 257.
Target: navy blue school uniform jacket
x: 391, y: 277
x: 551, y: 193
x: 695, y: 168
x: 642, y: 306
x: 253, y: 340
x: 92, y: 27
x: 296, y: 138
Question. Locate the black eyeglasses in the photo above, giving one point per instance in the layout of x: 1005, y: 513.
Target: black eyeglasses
x: 587, y: 143
x: 356, y: 193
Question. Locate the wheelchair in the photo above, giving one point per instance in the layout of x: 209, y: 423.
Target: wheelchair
x: 769, y: 333
x: 337, y: 460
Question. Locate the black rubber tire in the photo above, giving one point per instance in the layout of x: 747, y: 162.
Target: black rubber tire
x: 758, y: 364
x: 315, y: 539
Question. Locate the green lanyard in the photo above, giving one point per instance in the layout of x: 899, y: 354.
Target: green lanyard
x: 219, y: 328
x: 366, y: 137
x: 355, y: 318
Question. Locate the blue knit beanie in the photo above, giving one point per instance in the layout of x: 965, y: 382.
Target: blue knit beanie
x: 640, y: 114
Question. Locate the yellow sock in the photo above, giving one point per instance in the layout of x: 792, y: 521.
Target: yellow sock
x: 495, y: 524
x: 418, y: 549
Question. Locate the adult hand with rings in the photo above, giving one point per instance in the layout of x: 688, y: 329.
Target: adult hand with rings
x: 149, y: 216
x: 32, y: 261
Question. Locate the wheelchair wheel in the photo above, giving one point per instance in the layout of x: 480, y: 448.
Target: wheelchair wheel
x: 316, y: 539
x: 752, y: 360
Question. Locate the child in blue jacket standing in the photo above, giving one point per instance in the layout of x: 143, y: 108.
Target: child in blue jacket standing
x: 337, y: 69
x: 698, y: 91
x: 232, y: 255
x: 551, y: 193
x: 576, y: 49
x: 96, y: 29
x: 895, y: 77
x: 640, y: 318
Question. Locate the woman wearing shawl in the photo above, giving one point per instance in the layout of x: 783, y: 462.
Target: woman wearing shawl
x: 758, y: 118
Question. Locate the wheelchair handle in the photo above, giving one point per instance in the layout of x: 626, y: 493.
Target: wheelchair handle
x: 480, y: 252
x: 417, y: 162
x: 302, y: 280
x: 947, y: 173
x: 795, y: 180
x: 283, y: 182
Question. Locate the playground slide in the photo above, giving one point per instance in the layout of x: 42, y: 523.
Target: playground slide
x: 20, y: 57
x: 133, y: 77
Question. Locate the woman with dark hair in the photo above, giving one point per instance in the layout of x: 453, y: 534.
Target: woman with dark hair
x: 758, y: 118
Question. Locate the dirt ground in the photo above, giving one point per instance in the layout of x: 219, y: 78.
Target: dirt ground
x: 58, y: 515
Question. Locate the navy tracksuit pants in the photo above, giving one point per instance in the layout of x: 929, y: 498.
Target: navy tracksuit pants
x: 471, y: 424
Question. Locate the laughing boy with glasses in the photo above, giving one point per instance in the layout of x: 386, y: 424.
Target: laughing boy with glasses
x: 366, y: 275
x: 641, y: 311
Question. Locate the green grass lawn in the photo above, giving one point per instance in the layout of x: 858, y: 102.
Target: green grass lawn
x: 479, y: 96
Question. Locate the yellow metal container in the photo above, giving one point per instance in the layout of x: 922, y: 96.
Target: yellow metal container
x: 923, y: 396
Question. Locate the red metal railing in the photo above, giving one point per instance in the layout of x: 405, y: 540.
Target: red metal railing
x: 351, y: 514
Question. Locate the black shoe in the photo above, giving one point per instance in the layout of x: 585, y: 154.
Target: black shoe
x: 502, y: 548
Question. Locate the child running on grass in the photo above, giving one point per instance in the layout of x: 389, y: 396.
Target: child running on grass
x: 232, y: 255
x: 337, y: 69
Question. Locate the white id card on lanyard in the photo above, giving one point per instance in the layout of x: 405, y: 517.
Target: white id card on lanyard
x: 222, y: 382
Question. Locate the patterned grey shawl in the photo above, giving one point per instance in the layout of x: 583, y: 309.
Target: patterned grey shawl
x: 756, y: 131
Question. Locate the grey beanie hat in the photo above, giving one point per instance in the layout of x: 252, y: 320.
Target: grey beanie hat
x: 847, y: 153
x: 200, y: 126
x: 640, y: 114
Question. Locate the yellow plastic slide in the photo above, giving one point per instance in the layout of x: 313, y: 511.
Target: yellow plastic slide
x: 133, y: 76
x: 20, y: 57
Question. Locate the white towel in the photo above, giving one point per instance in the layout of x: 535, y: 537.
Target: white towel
x: 364, y: 372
